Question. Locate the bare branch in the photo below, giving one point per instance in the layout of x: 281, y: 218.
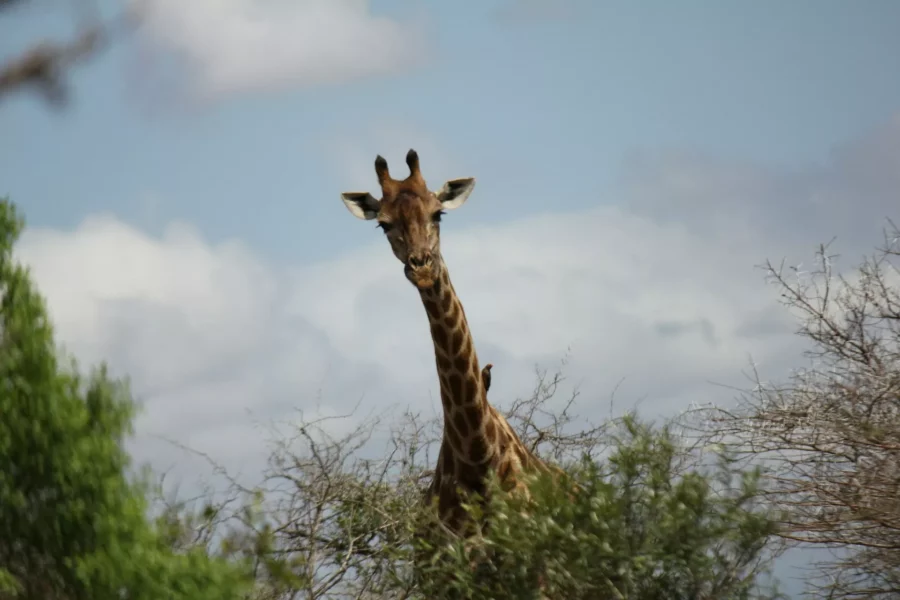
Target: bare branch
x: 831, y: 435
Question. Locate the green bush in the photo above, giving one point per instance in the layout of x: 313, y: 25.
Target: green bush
x: 72, y: 525
x: 639, y: 525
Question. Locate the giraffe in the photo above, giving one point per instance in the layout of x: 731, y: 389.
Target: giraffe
x: 477, y: 440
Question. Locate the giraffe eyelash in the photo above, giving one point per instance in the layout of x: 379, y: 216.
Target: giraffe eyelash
x: 436, y: 217
x: 385, y: 227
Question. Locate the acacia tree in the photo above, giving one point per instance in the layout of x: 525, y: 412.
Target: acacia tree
x: 73, y: 523
x: 830, y: 435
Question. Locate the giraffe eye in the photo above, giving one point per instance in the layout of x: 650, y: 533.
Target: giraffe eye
x: 436, y: 217
x: 385, y: 227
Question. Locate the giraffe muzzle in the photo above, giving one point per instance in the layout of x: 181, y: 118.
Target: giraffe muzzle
x: 421, y: 271
x: 419, y: 261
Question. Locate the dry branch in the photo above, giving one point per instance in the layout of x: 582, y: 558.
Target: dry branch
x: 831, y: 435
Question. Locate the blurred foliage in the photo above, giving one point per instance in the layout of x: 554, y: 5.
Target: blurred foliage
x: 72, y: 524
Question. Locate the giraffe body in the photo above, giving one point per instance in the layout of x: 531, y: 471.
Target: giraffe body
x: 477, y: 439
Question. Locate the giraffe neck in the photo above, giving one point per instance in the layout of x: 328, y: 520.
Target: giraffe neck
x: 467, y: 415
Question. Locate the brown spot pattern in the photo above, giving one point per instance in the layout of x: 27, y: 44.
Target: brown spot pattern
x: 502, y: 441
x: 439, y: 335
x: 478, y: 450
x: 520, y: 453
x: 471, y: 390
x: 453, y: 437
x: 459, y: 422
x: 455, y: 385
x: 456, y: 342
x: 474, y: 416
x: 452, y: 315
x: 447, y: 460
x: 444, y: 497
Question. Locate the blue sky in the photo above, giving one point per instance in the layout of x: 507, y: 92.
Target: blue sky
x: 543, y: 108
x: 635, y: 162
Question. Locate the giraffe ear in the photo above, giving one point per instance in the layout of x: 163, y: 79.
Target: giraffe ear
x: 455, y: 192
x: 363, y: 205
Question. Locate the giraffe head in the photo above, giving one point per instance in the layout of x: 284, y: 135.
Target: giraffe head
x: 410, y: 215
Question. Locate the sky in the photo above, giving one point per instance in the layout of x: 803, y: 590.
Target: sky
x: 635, y: 163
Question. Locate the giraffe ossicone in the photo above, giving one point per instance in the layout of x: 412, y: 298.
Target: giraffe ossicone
x: 477, y: 440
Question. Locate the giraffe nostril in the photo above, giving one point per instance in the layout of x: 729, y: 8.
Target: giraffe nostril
x: 419, y: 260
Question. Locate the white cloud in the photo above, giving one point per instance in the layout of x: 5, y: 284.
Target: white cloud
x: 246, y: 45
x: 621, y: 290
